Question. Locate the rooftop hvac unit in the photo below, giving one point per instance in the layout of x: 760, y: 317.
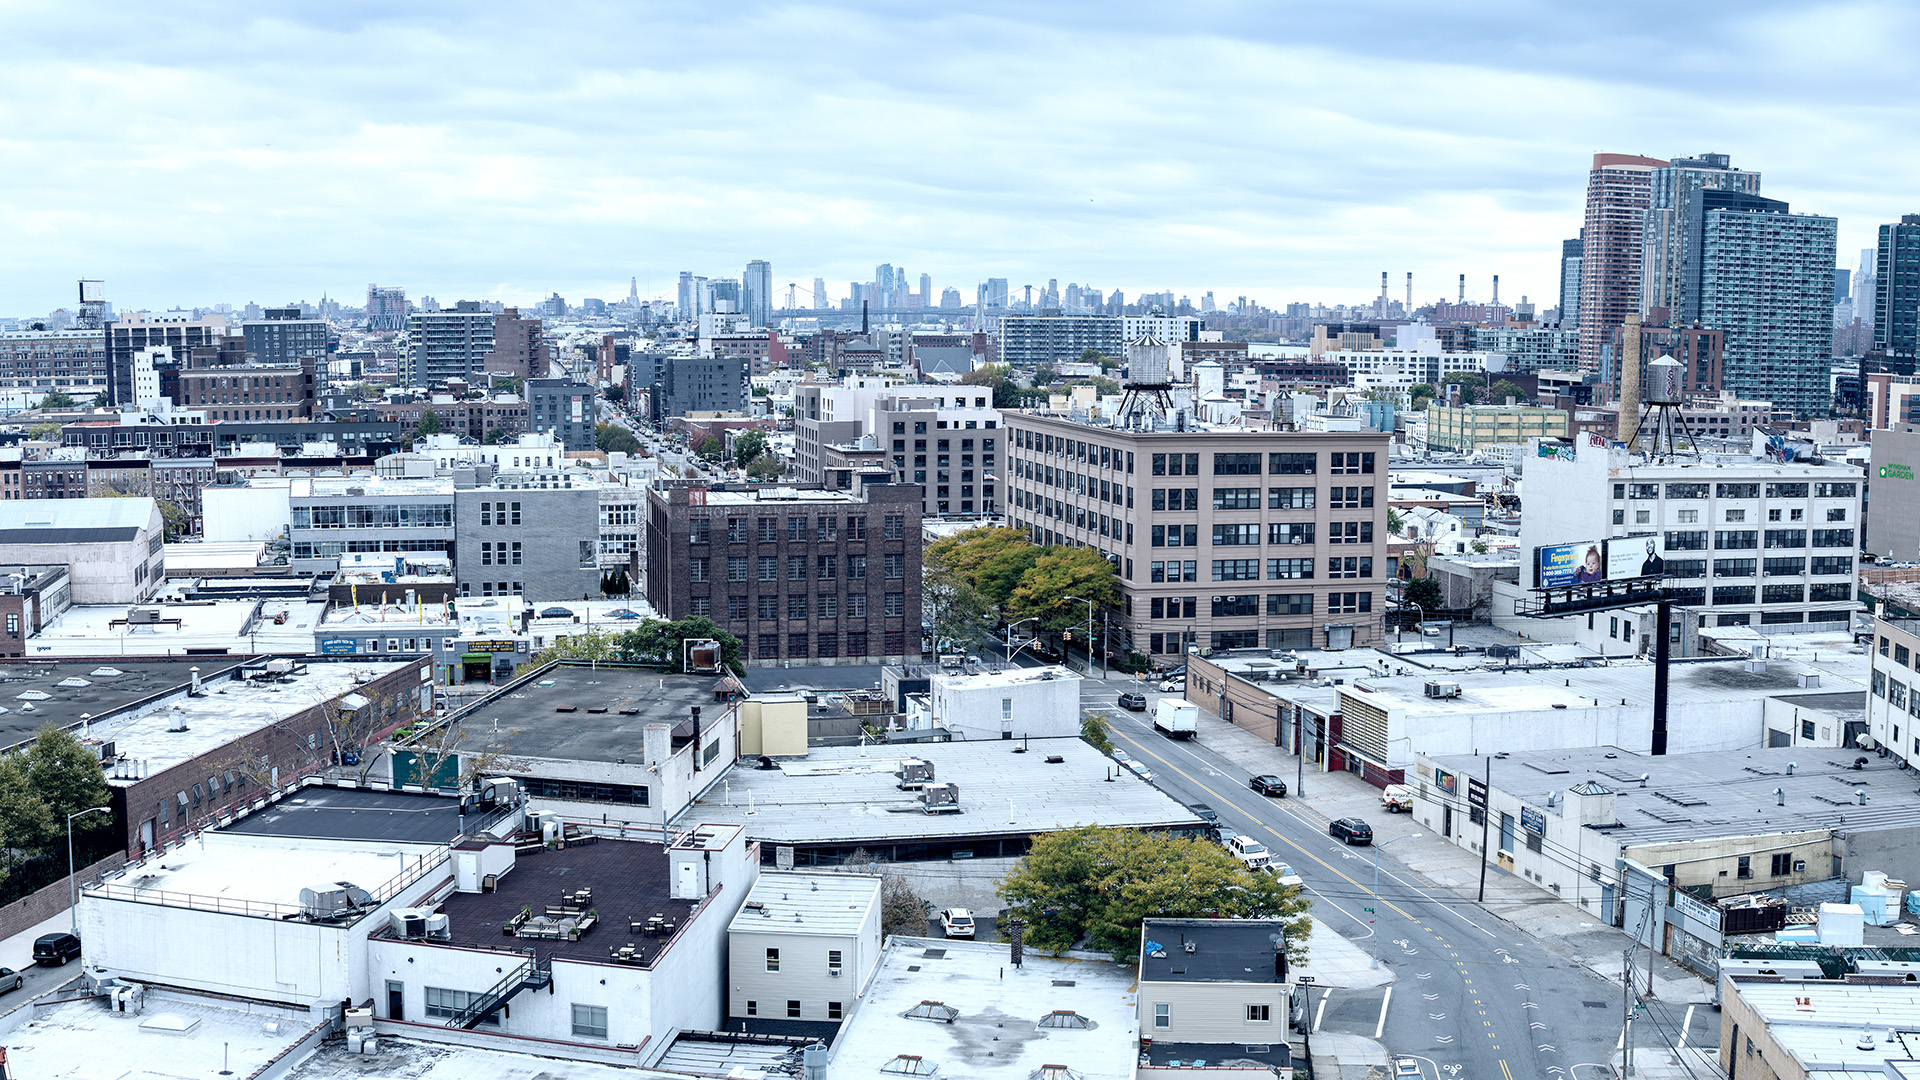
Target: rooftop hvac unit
x: 914, y: 773
x: 339, y: 899
x: 940, y: 798
x: 1443, y: 690
x: 439, y: 928
x: 107, y: 752
x: 143, y: 616
x: 408, y: 923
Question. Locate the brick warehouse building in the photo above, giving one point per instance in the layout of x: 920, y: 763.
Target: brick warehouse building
x: 1223, y: 537
x: 801, y: 574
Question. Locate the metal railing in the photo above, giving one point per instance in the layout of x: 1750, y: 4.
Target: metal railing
x: 259, y: 909
x: 531, y: 973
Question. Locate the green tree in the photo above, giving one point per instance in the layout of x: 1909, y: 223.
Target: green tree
x: 711, y: 449
x: 1057, y: 574
x: 66, y: 773
x: 493, y: 436
x: 1425, y: 592
x: 989, y: 559
x: 614, y: 439
x: 656, y: 642
x: 1098, y: 885
x: 1044, y: 375
x: 1505, y: 389
x: 1093, y: 729
x: 176, y: 522
x: 1420, y: 393
x: 748, y: 446
x: 1006, y: 395
x: 44, y: 431
x: 429, y: 424
x: 615, y: 392
x: 1091, y: 356
x: 26, y: 822
x: 511, y: 384
x: 587, y: 644
x: 55, y: 400
x: 959, y: 612
x: 766, y: 467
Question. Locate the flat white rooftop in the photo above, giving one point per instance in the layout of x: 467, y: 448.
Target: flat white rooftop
x: 795, y: 902
x: 88, y: 631
x: 987, y: 678
x: 1000, y: 1006
x: 227, y: 710
x: 82, y: 1041
x: 247, y: 875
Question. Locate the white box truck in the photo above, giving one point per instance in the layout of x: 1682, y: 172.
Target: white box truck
x: 1176, y: 719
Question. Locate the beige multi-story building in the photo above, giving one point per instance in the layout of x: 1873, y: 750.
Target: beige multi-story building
x: 1466, y: 427
x: 1223, y: 537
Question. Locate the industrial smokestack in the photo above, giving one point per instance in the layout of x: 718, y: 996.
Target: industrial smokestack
x: 1409, y: 292
x: 1383, y: 286
x: 1463, y: 288
x: 1496, y: 288
x: 1630, y: 380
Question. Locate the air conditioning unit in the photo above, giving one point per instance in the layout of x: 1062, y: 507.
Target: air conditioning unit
x: 940, y: 798
x: 408, y: 923
x: 439, y: 928
x: 1799, y: 866
x: 1443, y: 690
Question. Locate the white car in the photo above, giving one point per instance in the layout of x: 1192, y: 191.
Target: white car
x: 956, y: 922
x: 1140, y: 770
x: 1171, y: 686
x: 1248, y: 850
x: 1121, y: 757
x: 1285, y: 874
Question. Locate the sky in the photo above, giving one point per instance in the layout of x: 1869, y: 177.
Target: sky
x: 193, y: 153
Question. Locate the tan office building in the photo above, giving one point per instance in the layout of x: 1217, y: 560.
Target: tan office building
x: 1465, y: 427
x: 1223, y: 537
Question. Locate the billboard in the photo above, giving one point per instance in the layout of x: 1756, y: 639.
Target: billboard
x: 1591, y: 562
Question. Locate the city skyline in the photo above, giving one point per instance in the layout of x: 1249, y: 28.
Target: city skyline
x: 487, y: 157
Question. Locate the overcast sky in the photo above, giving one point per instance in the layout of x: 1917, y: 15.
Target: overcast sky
x: 193, y: 153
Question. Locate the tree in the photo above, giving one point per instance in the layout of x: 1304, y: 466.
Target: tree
x: 44, y: 431
x: 1100, y: 884
x: 511, y: 384
x: 615, y: 439
x: 429, y: 424
x: 66, y: 774
x: 615, y: 392
x: 1091, y: 356
x: 1044, y: 374
x: 1006, y: 395
x: 1058, y: 574
x: 55, y: 400
x: 989, y: 559
x: 1505, y: 389
x: 1426, y: 593
x: 766, y: 467
x: 711, y: 448
x: 749, y: 445
x: 902, y: 909
x: 591, y: 644
x: 26, y: 822
x: 176, y: 521
x: 1420, y: 393
x: 656, y: 642
x: 494, y: 436
x: 958, y: 611
x: 1093, y: 729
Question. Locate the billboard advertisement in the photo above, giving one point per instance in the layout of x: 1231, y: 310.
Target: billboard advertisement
x: 1592, y: 562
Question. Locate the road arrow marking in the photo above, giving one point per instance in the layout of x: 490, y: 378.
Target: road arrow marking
x: 1549, y: 1048
x: 1535, y: 1026
x: 1436, y: 1016
x: 1431, y: 997
x: 1521, y: 986
x: 1528, y: 1005
x: 1423, y: 975
x: 1443, y: 1038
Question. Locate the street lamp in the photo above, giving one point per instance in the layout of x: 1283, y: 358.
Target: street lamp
x: 1373, y: 923
x: 1010, y: 631
x: 73, y: 887
x: 1090, y: 649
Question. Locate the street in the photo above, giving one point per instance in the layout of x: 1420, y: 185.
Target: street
x: 1472, y: 996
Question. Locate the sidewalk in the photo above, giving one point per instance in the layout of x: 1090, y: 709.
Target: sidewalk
x: 1581, y: 935
x: 1335, y: 962
x: 16, y: 951
x: 1349, y: 1057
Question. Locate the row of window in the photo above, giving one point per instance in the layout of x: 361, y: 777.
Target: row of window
x: 1248, y: 498
x: 356, y: 516
x: 801, y: 606
x: 1075, y: 449
x: 797, y: 530
x: 1832, y: 489
x: 1787, y: 566
x: 1351, y: 566
x: 1731, y: 516
x: 799, y: 646
x: 1750, y: 539
x: 1250, y: 464
x: 1248, y: 535
x: 767, y: 567
x: 835, y: 1010
x: 1256, y: 1014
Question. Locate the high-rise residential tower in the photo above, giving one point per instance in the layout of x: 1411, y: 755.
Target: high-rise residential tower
x: 1569, y: 283
x: 1670, y: 258
x: 757, y: 292
x: 1618, y: 194
x: 1896, y: 291
x: 1767, y: 280
x: 926, y: 290
x: 386, y: 307
x: 820, y: 294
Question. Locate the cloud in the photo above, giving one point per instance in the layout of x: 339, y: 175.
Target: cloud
x: 1287, y: 151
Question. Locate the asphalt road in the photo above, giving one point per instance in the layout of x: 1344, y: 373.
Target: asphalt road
x: 1473, y: 997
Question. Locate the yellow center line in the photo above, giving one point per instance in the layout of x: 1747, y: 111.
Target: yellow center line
x: 1504, y: 1071
x: 1196, y: 782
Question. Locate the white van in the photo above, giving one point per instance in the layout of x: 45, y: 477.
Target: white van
x: 1248, y: 850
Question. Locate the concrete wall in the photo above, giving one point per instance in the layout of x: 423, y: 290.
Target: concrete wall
x: 244, y: 513
x: 1893, y: 511
x: 981, y: 708
x: 773, y: 726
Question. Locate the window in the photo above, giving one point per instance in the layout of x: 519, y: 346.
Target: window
x: 1278, y: 569
x: 447, y: 1004
x: 1350, y: 463
x: 793, y: 1009
x: 857, y: 567
x: 1786, y: 491
x: 773, y: 959
x: 590, y: 1021
x: 697, y: 569
x: 1736, y: 515
x: 1733, y: 594
x: 1350, y: 532
x: 896, y: 605
x: 1687, y: 541
x: 1834, y: 491
x: 1236, y: 570
x: 1290, y: 498
x: 1833, y: 538
x: 1162, y: 1016
x: 1236, y: 498
x: 1233, y: 535
x: 1725, y: 491
x: 1733, y: 567
x: 1259, y: 1014
x: 796, y: 605
x: 1689, y: 491
x: 1292, y: 464
x: 1781, y: 864
x: 736, y: 607
x: 1236, y: 464
x: 1349, y: 498
x: 1736, y: 540
x: 1228, y: 606
x: 698, y: 527
x: 1745, y: 867
x: 1788, y: 567
x: 1290, y: 532
x: 1289, y: 603
x: 1832, y: 564
x: 1786, y: 538
x: 895, y: 526
x: 796, y: 530
x: 834, y: 1010
x: 1350, y: 567
x: 1349, y: 603
x: 1643, y: 491
x: 796, y: 568
x: 1687, y: 568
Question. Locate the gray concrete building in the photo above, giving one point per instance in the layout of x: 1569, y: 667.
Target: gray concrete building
x: 948, y: 441
x: 1893, y: 495
x: 1035, y: 339
x: 798, y: 575
x: 442, y: 345
x: 563, y: 408
x: 283, y: 338
x: 691, y: 384
x: 534, y: 534
x: 1223, y: 537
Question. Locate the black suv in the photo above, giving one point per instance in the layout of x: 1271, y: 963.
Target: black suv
x: 1133, y: 702
x: 53, y: 950
x: 1351, y: 830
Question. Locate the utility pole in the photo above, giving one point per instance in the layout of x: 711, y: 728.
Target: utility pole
x: 1300, y: 749
x: 1486, y: 831
x: 1626, y: 1023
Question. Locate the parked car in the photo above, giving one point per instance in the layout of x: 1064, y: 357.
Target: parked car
x: 1268, y: 785
x: 1350, y: 830
x: 956, y: 922
x: 1204, y: 812
x: 1140, y: 770
x: 1174, y: 686
x: 53, y: 950
x: 1249, y: 851
x: 1285, y: 874
x: 1121, y: 756
x: 1221, y: 834
x: 1396, y: 799
x: 1406, y: 1069
x: 1133, y: 702
x: 1179, y: 672
x: 11, y: 980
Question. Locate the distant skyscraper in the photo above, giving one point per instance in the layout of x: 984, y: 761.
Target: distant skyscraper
x: 1865, y: 286
x: 883, y: 285
x: 685, y: 296
x: 1896, y: 290
x: 1842, y: 282
x: 757, y: 292
x: 1767, y: 280
x: 1611, y: 238
x: 386, y: 307
x: 1670, y: 258
x: 1569, y: 283
x: 996, y: 292
x: 926, y: 290
x: 820, y: 293
x: 949, y: 297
